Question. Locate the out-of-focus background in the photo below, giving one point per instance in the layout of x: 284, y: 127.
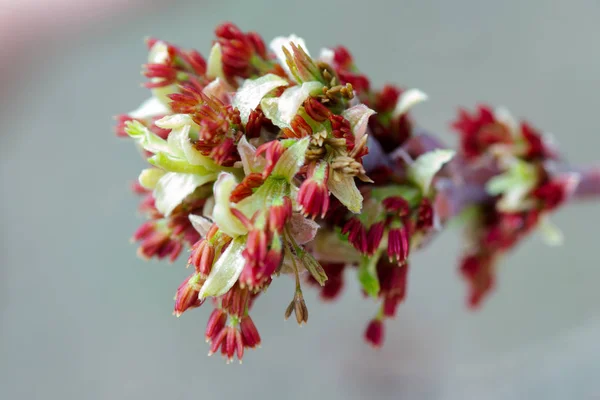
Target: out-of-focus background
x: 83, y: 318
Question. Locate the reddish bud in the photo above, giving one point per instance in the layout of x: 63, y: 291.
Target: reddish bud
x: 216, y: 323
x: 157, y: 242
x: 313, y: 196
x: 357, y: 235
x: 279, y: 214
x: 229, y: 340
x: 202, y: 256
x: 235, y: 301
x: 478, y: 271
x: 359, y: 82
x: 272, y: 152
x: 340, y: 128
x: 552, y: 194
x: 387, y: 99
x: 250, y: 335
x: 225, y: 153
x: 195, y: 60
x: 256, y: 120
x: 396, y: 204
x: 246, y: 187
x: 374, y: 236
x: 187, y: 294
x: 316, y: 110
x: 161, y: 75
x: 374, y: 333
x: 238, y: 48
x: 398, y: 244
x: 479, y: 131
x: 342, y: 57
x: 424, y: 215
x: 390, y: 305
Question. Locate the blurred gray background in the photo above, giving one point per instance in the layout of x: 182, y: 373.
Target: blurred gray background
x: 83, y: 318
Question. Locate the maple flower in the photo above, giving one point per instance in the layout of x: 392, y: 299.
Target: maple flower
x: 265, y: 161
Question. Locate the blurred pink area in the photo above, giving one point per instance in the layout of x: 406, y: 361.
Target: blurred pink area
x: 27, y: 23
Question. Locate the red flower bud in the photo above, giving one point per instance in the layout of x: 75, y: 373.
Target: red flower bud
x: 375, y: 333
x: 357, y: 235
x: 187, y: 294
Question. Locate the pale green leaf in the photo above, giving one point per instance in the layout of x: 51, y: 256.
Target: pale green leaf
x: 172, y: 188
x: 367, y: 275
x: 226, y: 271
x: 313, y: 267
x: 291, y: 160
x: 175, y: 164
x: 282, y: 110
x: 408, y: 100
x: 514, y: 185
x: 344, y: 189
x: 222, y: 215
x: 250, y: 162
x: 551, y: 234
x: 145, y: 138
x: 422, y: 171
x: 159, y: 53
x: 149, y: 177
x: 248, y: 97
x: 201, y: 224
x: 214, y: 64
x: 358, y: 116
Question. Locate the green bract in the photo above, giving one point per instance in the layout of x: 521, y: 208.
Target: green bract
x: 248, y: 97
x: 514, y: 185
x: 186, y: 167
x: 422, y: 171
x: 282, y: 110
x: 226, y: 271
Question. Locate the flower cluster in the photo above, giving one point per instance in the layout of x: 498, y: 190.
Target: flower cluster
x: 265, y: 160
x: 523, y: 190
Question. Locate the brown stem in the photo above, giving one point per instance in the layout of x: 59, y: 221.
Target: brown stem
x: 589, y: 185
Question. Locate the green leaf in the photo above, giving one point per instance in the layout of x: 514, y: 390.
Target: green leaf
x: 358, y: 116
x: 172, y: 164
x: 226, y: 271
x: 214, y: 67
x: 422, y: 171
x: 367, y: 275
x: 282, y: 110
x: 250, y: 162
x: 408, y: 99
x: 172, y: 188
x: 344, y: 189
x: 514, y: 185
x: 149, y: 177
x: 313, y: 266
x: 222, y: 214
x: 248, y: 97
x: 148, y: 140
x: 291, y: 160
x: 179, y: 141
x: 551, y: 234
